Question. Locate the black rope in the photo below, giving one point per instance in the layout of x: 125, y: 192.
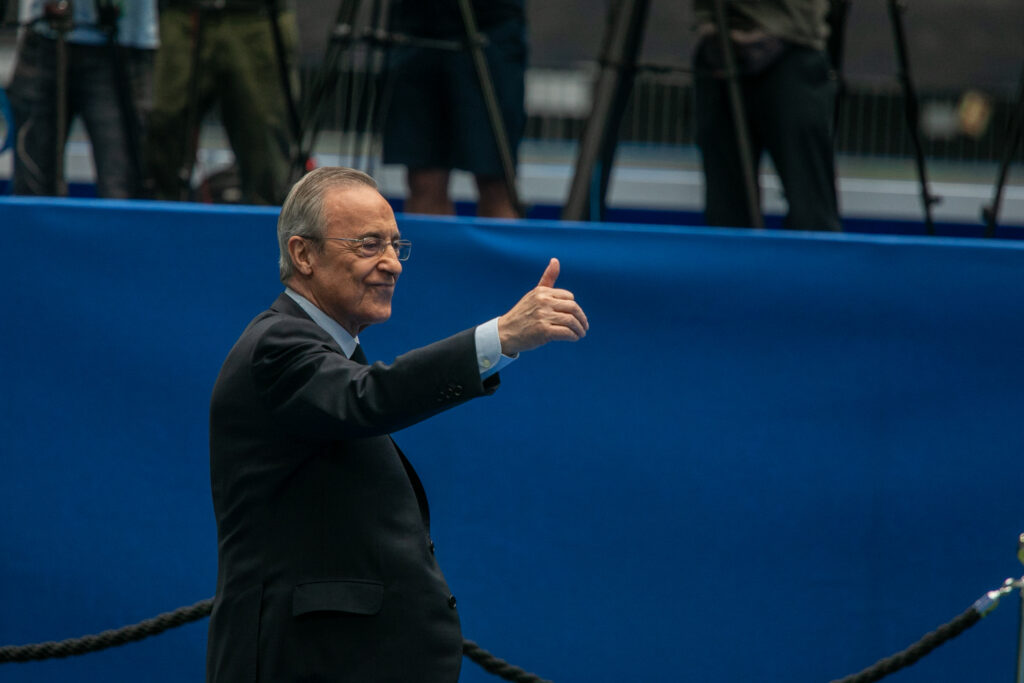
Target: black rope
x: 487, y: 661
x: 929, y: 642
x: 184, y: 615
x: 111, y: 638
x: 498, y: 667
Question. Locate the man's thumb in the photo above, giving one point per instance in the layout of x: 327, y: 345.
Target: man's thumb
x: 550, y: 274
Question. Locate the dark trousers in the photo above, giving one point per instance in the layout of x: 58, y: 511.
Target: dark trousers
x: 789, y: 108
x: 92, y: 94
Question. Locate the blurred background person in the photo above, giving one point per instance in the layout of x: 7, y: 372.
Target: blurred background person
x: 107, y: 81
x: 788, y: 90
x: 437, y: 120
x: 238, y: 70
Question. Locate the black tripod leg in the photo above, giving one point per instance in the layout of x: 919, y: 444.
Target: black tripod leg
x: 911, y: 111
x: 375, y: 83
x: 990, y: 214
x: 338, y: 43
x: 836, y: 19
x: 620, y: 46
x: 359, y: 89
x: 285, y: 77
x: 385, y: 86
x: 739, y: 119
x: 491, y: 102
x: 192, y: 109
x: 61, y: 105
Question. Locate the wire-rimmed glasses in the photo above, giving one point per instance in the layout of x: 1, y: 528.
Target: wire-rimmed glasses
x: 374, y: 247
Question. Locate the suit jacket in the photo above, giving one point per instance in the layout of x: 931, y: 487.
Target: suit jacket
x: 326, y: 570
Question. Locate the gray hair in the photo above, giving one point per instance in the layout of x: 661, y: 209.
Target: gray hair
x: 303, y: 212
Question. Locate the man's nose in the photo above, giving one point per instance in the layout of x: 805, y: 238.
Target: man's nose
x: 389, y: 260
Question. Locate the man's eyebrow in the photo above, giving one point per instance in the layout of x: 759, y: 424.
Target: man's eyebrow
x: 380, y: 235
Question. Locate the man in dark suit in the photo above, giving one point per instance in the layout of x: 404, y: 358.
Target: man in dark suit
x: 326, y: 570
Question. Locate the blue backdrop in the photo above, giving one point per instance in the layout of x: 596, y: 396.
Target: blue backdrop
x: 774, y: 457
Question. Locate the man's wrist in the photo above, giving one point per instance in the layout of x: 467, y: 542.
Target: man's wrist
x: 489, y: 357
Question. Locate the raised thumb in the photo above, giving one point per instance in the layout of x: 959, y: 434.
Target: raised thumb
x: 550, y: 274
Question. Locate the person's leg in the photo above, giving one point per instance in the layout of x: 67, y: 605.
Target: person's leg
x: 96, y: 91
x: 417, y: 128
x: 474, y: 147
x: 33, y: 106
x: 166, y: 139
x: 253, y: 104
x: 141, y: 69
x: 493, y: 200
x: 797, y: 96
x: 724, y: 195
x: 428, y: 192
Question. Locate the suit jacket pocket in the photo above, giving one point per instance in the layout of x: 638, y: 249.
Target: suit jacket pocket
x: 353, y: 596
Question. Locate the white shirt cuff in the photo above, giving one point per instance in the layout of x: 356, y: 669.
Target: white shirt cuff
x: 489, y: 358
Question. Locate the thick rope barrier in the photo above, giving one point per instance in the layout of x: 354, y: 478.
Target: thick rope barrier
x: 496, y: 666
x: 905, y: 658
x: 184, y: 615
x: 971, y: 616
x: 111, y: 638
x: 488, y: 662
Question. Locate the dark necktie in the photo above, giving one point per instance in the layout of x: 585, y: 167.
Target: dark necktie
x: 358, y: 356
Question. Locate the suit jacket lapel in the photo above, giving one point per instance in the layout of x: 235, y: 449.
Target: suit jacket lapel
x: 417, y: 486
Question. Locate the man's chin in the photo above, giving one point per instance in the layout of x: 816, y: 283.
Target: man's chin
x: 379, y: 317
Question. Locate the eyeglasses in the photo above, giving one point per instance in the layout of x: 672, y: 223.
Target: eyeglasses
x: 374, y: 247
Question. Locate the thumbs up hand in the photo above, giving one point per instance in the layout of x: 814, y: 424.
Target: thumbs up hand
x: 543, y: 315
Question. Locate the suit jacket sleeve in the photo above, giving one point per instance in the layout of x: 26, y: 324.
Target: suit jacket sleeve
x: 311, y: 387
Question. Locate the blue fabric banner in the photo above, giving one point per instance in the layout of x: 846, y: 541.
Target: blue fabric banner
x: 776, y: 456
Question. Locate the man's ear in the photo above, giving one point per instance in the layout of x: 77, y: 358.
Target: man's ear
x: 301, y: 252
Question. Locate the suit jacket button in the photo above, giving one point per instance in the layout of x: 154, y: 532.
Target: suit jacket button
x: 431, y: 547
x: 451, y: 601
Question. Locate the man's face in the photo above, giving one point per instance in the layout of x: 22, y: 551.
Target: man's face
x: 355, y: 290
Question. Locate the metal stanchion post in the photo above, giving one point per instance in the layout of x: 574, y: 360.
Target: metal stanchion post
x: 1020, y: 622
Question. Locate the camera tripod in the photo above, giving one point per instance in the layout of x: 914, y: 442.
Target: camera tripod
x: 361, y: 37
x: 618, y: 60
x: 620, y: 47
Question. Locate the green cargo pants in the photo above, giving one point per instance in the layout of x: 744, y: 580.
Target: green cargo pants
x: 237, y: 70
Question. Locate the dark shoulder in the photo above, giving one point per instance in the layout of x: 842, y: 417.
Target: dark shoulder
x: 274, y: 328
